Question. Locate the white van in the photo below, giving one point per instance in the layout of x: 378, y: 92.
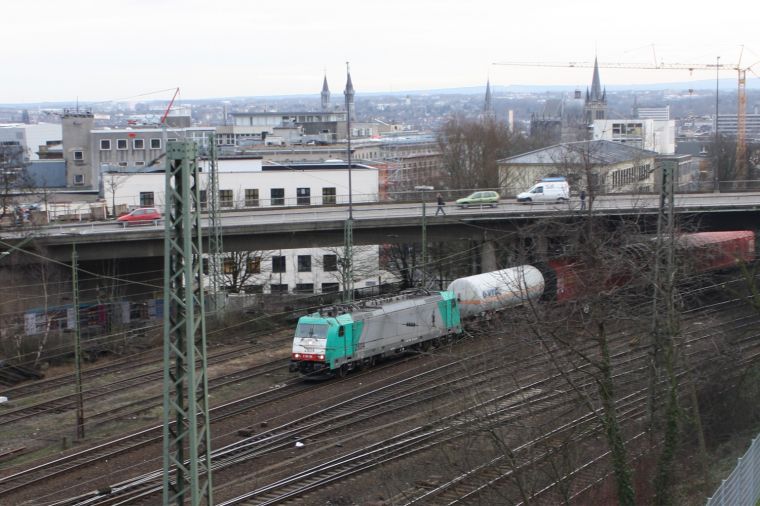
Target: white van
x: 549, y: 189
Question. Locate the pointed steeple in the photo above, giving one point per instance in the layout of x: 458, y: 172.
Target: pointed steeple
x: 488, y: 106
x: 596, y: 85
x: 325, y: 95
x: 596, y: 99
x: 349, y: 94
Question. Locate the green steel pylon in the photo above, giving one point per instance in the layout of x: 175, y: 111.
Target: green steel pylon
x: 215, y: 246
x: 348, y: 261
x: 187, y: 441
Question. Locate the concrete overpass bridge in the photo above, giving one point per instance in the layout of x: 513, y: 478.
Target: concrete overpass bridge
x: 380, y: 223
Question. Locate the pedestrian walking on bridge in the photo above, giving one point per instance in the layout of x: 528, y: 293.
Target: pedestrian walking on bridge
x: 441, y: 203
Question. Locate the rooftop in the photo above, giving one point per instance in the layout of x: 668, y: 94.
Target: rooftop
x: 594, y: 152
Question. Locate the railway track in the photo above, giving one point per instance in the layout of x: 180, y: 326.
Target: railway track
x: 35, y: 387
x: 349, y: 413
x: 152, y: 435
x: 465, y: 488
x: 68, y: 402
x: 337, y: 470
x: 360, y: 409
x: 631, y: 408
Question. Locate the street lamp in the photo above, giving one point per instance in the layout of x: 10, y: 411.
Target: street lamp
x: 348, y: 229
x: 422, y: 190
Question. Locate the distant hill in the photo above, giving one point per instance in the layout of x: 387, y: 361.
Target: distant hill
x: 726, y: 86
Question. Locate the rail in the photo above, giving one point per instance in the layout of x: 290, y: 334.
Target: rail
x: 742, y: 487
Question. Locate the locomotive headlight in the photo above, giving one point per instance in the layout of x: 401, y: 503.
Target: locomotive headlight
x: 321, y: 357
x: 296, y: 355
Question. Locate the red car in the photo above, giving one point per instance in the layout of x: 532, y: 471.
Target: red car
x: 141, y: 215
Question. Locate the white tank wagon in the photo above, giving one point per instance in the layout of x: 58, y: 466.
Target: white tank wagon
x: 492, y: 291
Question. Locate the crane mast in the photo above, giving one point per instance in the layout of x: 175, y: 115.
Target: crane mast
x: 741, y: 129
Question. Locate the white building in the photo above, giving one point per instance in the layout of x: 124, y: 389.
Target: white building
x: 300, y: 271
x: 31, y: 137
x: 246, y: 184
x: 650, y: 134
x: 656, y: 113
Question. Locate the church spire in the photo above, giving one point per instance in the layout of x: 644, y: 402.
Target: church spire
x: 488, y: 106
x: 596, y: 99
x: 325, y: 95
x: 349, y: 94
x: 596, y: 86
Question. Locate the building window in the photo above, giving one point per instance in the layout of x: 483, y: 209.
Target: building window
x: 330, y: 263
x: 278, y: 196
x: 225, y: 198
x: 105, y: 144
x: 79, y: 156
x: 279, y: 289
x: 121, y: 144
x: 171, y: 139
x: 155, y: 144
x: 138, y: 143
x: 304, y: 263
x: 328, y: 195
x: 252, y: 197
x: 228, y: 266
x: 253, y: 288
x: 303, y: 196
x: 204, y: 199
x: 254, y: 265
x: 78, y: 179
x: 278, y: 264
x: 146, y: 199
x: 304, y: 288
x: 330, y: 287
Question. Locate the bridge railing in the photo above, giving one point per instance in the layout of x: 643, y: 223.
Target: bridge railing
x: 742, y: 487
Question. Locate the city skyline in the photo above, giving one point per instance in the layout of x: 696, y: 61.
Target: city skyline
x: 102, y: 51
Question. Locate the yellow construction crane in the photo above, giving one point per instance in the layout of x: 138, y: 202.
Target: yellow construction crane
x: 741, y: 122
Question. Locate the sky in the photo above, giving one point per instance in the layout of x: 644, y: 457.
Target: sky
x: 64, y: 50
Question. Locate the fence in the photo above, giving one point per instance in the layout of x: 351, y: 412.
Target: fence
x: 742, y: 487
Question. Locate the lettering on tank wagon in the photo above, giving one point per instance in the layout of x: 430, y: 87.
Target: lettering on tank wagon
x: 493, y: 292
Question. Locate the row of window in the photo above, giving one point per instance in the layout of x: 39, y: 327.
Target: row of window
x: 253, y: 266
x: 630, y: 175
x: 122, y: 144
x: 299, y: 288
x: 276, y: 195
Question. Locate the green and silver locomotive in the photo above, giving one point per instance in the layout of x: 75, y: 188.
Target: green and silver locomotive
x: 336, y: 340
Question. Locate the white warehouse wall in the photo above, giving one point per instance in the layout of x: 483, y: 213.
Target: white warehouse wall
x: 126, y: 188
x: 655, y: 135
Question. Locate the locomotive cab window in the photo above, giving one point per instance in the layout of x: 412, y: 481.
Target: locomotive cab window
x: 315, y: 330
x: 341, y: 331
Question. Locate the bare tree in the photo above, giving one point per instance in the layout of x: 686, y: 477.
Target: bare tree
x: 14, y: 180
x: 365, y: 263
x: 239, y: 268
x: 578, y: 335
x: 471, y: 149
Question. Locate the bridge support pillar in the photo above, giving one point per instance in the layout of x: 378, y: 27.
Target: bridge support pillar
x: 540, y: 247
x: 488, y: 256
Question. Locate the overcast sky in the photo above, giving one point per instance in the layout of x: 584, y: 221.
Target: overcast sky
x: 103, y: 50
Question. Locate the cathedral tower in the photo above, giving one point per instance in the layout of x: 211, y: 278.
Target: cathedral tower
x: 349, y: 94
x: 325, y: 95
x: 595, y: 106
